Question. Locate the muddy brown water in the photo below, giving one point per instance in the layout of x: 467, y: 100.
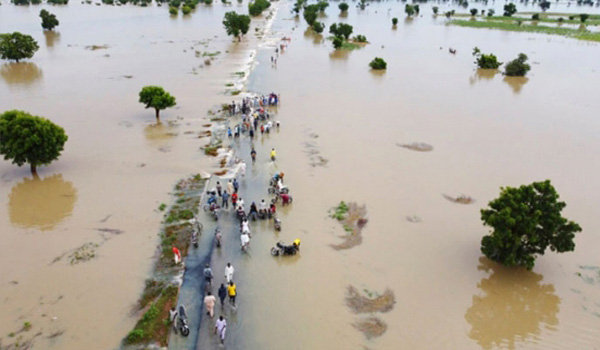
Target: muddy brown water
x: 486, y: 131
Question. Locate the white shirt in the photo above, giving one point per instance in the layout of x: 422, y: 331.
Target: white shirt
x: 245, y: 227
x: 245, y: 239
x: 221, y: 325
x: 229, y: 272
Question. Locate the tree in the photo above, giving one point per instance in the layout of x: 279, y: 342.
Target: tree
x: 417, y: 9
x: 337, y: 42
x: 435, y: 10
x: 25, y: 138
x: 485, y: 61
x: 517, y: 67
x: 343, y: 7
x: 583, y: 17
x: 256, y: 7
x: 236, y: 25
x: 185, y: 9
x: 491, y: 12
x: 310, y: 14
x: 341, y: 30
x: 17, y: 46
x: 173, y: 10
x: 157, y: 98
x: 474, y: 12
x: 322, y: 5
x: 394, y: 21
x: 535, y: 17
x: 525, y: 221
x: 509, y: 10
x: 378, y: 64
x: 49, y: 20
x: 318, y: 27
x: 545, y: 5
x: 409, y: 9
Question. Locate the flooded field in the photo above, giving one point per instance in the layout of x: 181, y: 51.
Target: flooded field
x: 341, y: 129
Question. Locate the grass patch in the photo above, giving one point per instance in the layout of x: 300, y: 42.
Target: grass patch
x: 544, y: 19
x: 353, y: 219
x: 514, y: 27
x: 229, y: 85
x: 211, y: 54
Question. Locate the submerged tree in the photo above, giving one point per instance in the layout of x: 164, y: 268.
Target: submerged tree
x: 474, y: 12
x: 394, y: 21
x: 484, y: 61
x: 509, y: 10
x: 545, y: 5
x: 526, y: 221
x: 25, y: 138
x: 378, y: 64
x: 49, y: 20
x: 409, y: 9
x: 583, y: 17
x: 517, y: 67
x: 236, y: 25
x: 156, y: 97
x: 318, y: 27
x: 256, y: 7
x: 341, y: 30
x: 435, y: 10
x: 343, y: 7
x: 17, y: 46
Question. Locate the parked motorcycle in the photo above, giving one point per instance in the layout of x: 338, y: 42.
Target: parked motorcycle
x: 182, y: 323
x: 277, y: 224
x: 213, y: 208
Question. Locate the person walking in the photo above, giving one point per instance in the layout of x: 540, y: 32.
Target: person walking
x: 236, y: 185
x: 209, y: 303
x: 208, y: 275
x: 220, y: 328
x: 273, y: 154
x: 219, y: 188
x: 232, y: 292
x: 173, y: 318
x: 229, y: 272
x: 230, y: 187
x: 225, y: 198
x: 222, y: 294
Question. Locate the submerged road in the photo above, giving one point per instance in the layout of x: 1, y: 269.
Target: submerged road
x: 253, y: 187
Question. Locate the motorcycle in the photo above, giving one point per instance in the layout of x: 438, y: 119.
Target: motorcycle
x: 281, y: 249
x: 182, y: 323
x: 277, y: 190
x: 213, y: 208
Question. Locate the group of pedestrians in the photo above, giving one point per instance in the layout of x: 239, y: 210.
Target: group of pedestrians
x: 227, y: 289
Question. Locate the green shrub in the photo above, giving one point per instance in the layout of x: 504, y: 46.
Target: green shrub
x: 474, y: 12
x: 256, y: 7
x: 135, y: 336
x: 337, y: 42
x: 173, y: 10
x: 583, y: 17
x: 517, y: 67
x: 535, y: 17
x: 318, y: 27
x: 343, y: 7
x: 185, y: 9
x: 378, y: 64
x: 394, y: 21
x: 360, y: 38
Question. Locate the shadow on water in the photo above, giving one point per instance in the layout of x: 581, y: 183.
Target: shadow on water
x: 52, y: 38
x: 317, y: 39
x: 160, y: 134
x: 511, y: 307
x: 21, y: 74
x: 516, y: 83
x: 41, y: 203
x: 482, y: 75
x: 339, y: 55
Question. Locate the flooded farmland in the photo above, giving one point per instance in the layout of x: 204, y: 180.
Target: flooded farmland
x: 341, y: 125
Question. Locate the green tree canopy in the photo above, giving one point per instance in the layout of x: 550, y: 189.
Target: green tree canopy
x: 17, y: 46
x: 49, y: 20
x: 256, y: 7
x: 510, y: 9
x: 409, y: 9
x: 517, y: 67
x: 156, y: 97
x: 484, y: 61
x: 525, y: 221
x: 378, y: 64
x: 310, y: 13
x: 25, y: 138
x: 343, y: 7
x: 236, y: 25
x: 341, y: 30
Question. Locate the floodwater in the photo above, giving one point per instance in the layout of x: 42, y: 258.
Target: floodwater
x: 340, y: 126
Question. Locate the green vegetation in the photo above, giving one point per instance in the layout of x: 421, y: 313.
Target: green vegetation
x: 360, y: 38
x: 322, y: 5
x: 30, y: 139
x: 337, y: 42
x: 156, y: 97
x: 517, y: 67
x: 49, y: 20
x: 525, y: 221
x: 17, y: 46
x: 503, y: 25
x: 318, y: 27
x: 435, y: 10
x: 474, y: 12
x: 491, y: 12
x: 185, y: 9
x: 583, y: 17
x: 410, y: 10
x: 394, y: 21
x: 58, y: 2
x: 26, y: 325
x: 485, y: 61
x: 310, y: 14
x: 153, y: 326
x: 162, y: 207
x: 510, y: 9
x: 341, y: 30
x: 173, y: 10
x: 545, y: 5
x: 343, y: 7
x: 236, y: 25
x: 378, y: 64
x: 256, y: 7
x: 340, y: 211
x: 535, y: 17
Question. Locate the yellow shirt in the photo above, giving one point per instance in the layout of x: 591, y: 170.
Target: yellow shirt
x: 231, y: 290
x: 272, y: 154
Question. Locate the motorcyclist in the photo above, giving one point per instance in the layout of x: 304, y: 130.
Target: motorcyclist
x: 253, y: 210
x: 262, y: 206
x: 212, y: 199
